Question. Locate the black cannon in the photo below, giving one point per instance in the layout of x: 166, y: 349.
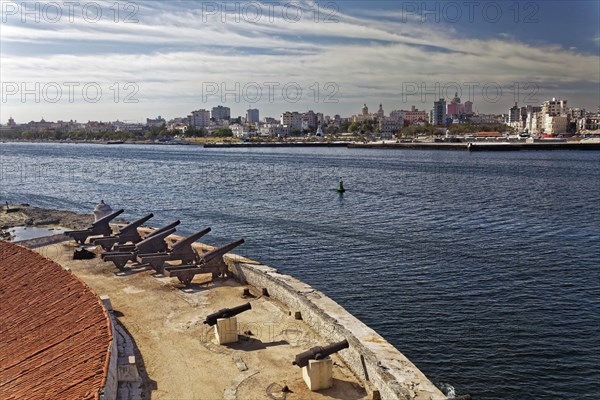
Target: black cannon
x: 127, y: 233
x: 153, y: 243
x: 319, y: 353
x: 158, y: 246
x: 100, y: 227
x: 147, y: 245
x: 227, y: 313
x: 181, y: 250
x: 210, y: 262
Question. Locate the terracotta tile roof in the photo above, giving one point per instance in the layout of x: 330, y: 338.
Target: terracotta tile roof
x: 54, y: 330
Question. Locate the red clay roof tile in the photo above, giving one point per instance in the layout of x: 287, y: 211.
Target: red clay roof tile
x: 55, y: 333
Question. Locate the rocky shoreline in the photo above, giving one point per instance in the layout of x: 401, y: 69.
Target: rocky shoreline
x: 14, y: 215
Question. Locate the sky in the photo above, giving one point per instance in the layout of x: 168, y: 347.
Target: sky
x: 128, y: 61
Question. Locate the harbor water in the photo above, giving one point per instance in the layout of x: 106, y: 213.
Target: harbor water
x: 482, y: 268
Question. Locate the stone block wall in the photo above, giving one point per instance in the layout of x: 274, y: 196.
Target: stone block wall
x: 370, y: 356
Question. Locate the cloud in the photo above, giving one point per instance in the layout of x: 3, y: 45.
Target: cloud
x: 174, y: 51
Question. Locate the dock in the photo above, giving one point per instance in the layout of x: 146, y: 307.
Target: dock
x: 461, y: 146
x: 481, y: 146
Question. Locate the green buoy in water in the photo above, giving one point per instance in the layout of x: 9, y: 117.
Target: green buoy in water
x: 340, y: 188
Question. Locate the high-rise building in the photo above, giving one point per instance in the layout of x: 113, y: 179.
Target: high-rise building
x: 455, y: 108
x: 221, y: 113
x: 321, y: 119
x: 199, y: 118
x: 252, y: 116
x: 468, y: 107
x: 439, y: 112
x: 514, y: 115
x: 554, y: 107
x: 293, y: 120
x: 310, y: 120
x: 533, y: 120
x: 554, y: 116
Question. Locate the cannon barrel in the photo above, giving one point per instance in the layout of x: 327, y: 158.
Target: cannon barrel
x: 190, y: 239
x: 108, y: 218
x: 319, y: 353
x: 135, y: 224
x: 221, y: 250
x: 127, y: 233
x: 163, y: 229
x: 226, y: 313
x: 141, y: 246
x: 131, y: 247
x: 100, y: 227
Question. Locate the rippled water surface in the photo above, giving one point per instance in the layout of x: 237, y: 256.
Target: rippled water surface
x: 482, y: 268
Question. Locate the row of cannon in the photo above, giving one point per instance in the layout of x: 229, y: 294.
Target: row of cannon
x: 127, y: 245
x: 153, y: 250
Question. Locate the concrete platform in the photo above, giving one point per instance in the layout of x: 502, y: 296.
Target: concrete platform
x: 178, y: 356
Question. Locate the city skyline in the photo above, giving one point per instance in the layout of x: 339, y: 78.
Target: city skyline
x: 183, y: 56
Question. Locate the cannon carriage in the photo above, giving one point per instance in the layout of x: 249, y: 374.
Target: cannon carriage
x: 210, y: 262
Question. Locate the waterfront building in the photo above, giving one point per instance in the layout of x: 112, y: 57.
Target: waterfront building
x: 177, y: 122
x: 309, y: 120
x: 533, y: 124
x: 455, y: 108
x: 390, y: 125
x: 554, y: 117
x: 397, y: 115
x: 117, y: 126
x: 591, y: 122
x: 468, y: 109
x: 274, y: 130
x: 321, y: 119
x: 155, y: 123
x: 514, y: 115
x: 555, y: 124
x: 488, y: 119
x: 554, y: 107
x: 199, y: 118
x: 252, y: 116
x: 439, y: 112
x: 179, y: 128
x: 415, y: 116
x: 523, y: 116
x: 221, y: 113
x: 237, y: 130
x: 292, y: 119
